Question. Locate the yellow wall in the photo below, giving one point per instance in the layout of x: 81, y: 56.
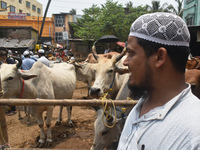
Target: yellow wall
x: 22, y: 6
x: 31, y: 21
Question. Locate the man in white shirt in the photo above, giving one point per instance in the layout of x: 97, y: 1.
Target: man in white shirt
x: 167, y: 116
x: 42, y: 58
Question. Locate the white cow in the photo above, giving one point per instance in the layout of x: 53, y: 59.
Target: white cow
x: 108, y: 75
x: 105, y: 136
x: 86, y: 73
x: 39, y: 82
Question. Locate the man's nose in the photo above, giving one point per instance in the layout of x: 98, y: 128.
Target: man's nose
x: 125, y: 63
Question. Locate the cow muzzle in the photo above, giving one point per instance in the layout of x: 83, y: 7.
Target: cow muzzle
x: 95, y: 92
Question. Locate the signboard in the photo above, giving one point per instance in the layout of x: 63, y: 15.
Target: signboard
x: 16, y: 16
x: 65, y: 35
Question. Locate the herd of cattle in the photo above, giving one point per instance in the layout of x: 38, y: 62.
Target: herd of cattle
x: 59, y: 80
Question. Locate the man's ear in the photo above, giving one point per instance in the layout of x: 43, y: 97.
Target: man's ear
x: 161, y: 57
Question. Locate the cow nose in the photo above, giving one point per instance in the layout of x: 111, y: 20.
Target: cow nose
x: 94, y: 91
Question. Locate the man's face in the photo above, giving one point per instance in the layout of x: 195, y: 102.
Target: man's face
x: 139, y: 66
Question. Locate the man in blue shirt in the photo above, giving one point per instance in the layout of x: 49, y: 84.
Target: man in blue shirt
x: 27, y: 63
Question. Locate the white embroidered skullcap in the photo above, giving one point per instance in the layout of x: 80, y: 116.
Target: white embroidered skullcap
x: 41, y: 51
x: 163, y: 28
x: 26, y: 53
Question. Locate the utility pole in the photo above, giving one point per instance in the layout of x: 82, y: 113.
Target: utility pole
x: 39, y: 38
x: 63, y: 33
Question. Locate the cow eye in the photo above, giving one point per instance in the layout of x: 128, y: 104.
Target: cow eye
x: 10, y: 78
x: 104, y: 133
x: 110, y: 71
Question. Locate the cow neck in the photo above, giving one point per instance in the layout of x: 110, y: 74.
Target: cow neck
x: 22, y: 90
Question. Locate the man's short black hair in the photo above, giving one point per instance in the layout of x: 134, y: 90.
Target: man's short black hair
x: 178, y: 54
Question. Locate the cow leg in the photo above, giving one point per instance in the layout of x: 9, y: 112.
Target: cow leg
x: 69, y: 109
x: 29, y: 119
x: 19, y: 114
x: 48, y: 125
x: 58, y: 122
x: 40, y: 121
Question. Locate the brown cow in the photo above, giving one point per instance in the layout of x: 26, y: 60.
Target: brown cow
x: 193, y: 63
x: 192, y: 77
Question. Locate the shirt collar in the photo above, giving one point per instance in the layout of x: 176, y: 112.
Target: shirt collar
x: 161, y: 111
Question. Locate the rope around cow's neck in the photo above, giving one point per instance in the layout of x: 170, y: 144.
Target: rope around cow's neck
x: 106, y: 108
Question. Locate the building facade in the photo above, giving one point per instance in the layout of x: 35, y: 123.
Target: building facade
x: 191, y: 12
x: 34, y: 22
x: 28, y: 7
x: 18, y: 38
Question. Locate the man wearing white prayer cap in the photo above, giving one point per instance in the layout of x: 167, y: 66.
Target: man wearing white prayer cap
x: 167, y: 116
x: 27, y: 63
x: 42, y: 58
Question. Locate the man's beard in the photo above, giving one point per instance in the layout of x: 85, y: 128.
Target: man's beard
x: 135, y: 91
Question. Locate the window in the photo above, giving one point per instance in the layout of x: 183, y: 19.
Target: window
x: 59, y: 20
x: 34, y: 7
x: 39, y: 10
x: 27, y: 14
x: 20, y: 11
x: 28, y: 4
x: 3, y: 5
x: 12, y: 8
x: 58, y: 37
x: 189, y: 21
x: 20, y: 1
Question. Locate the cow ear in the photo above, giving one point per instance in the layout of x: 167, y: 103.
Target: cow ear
x: 27, y: 77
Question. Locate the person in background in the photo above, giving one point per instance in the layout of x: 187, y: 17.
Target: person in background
x: 42, y: 58
x: 32, y: 57
x: 167, y: 115
x: 9, y: 58
x: 15, y: 53
x: 111, y: 47
x: 27, y: 62
x: 66, y: 51
x: 3, y: 56
x: 60, y: 53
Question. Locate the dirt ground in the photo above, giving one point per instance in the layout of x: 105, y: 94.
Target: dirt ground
x: 64, y: 137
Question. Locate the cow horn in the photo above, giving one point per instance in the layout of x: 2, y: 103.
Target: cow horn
x: 94, y: 52
x: 19, y: 61
x: 122, y: 54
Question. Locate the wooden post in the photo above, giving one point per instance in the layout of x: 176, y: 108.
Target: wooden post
x: 3, y: 127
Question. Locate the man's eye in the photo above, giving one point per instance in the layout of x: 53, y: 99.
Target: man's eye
x: 131, y: 54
